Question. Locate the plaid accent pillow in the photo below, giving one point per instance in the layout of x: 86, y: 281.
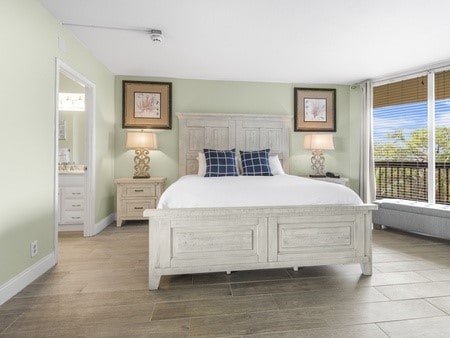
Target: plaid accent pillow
x: 220, y: 162
x: 255, y: 163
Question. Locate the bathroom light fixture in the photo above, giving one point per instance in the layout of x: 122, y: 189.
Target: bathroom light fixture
x: 71, y: 102
x: 318, y: 143
x: 141, y: 142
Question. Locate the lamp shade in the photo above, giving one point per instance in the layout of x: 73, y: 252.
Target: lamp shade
x: 319, y: 142
x: 141, y: 140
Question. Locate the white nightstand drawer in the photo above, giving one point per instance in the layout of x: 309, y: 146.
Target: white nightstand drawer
x: 136, y: 208
x: 73, y: 192
x: 139, y: 191
x: 73, y: 204
x: 73, y: 217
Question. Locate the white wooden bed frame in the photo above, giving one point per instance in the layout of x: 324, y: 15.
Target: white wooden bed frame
x: 243, y: 238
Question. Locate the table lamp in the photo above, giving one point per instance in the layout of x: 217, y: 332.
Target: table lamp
x: 318, y: 143
x: 141, y: 142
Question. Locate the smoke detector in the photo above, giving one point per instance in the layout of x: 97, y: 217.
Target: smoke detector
x: 156, y: 35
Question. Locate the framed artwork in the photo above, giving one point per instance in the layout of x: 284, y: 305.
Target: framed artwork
x: 147, y: 105
x: 315, y: 109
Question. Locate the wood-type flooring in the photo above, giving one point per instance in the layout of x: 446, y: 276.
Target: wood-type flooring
x: 99, y: 289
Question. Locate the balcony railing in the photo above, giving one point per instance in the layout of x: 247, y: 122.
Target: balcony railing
x: 408, y: 180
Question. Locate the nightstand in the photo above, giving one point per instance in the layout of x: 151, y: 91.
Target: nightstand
x: 136, y: 195
x: 341, y: 180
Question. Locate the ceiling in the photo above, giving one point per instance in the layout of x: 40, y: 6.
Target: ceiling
x: 294, y: 41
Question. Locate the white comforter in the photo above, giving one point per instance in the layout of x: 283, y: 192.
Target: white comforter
x: 194, y: 191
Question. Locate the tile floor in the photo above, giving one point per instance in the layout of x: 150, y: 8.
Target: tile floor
x: 99, y: 289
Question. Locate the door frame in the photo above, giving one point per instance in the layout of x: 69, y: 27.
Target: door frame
x: 90, y: 95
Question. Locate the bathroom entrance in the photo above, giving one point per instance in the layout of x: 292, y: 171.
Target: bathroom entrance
x: 71, y: 154
x: 74, y: 152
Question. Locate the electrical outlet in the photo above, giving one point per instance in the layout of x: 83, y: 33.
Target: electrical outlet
x: 34, y: 248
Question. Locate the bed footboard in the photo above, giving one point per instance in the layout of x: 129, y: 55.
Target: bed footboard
x: 230, y: 239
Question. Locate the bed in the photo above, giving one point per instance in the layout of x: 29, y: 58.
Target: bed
x: 214, y: 236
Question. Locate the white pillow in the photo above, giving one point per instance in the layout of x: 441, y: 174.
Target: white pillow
x: 201, y: 164
x: 275, y: 165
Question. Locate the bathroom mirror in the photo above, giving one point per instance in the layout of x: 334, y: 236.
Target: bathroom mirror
x: 72, y: 122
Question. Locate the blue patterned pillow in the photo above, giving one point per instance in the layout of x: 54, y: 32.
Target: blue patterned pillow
x: 255, y: 163
x: 220, y: 162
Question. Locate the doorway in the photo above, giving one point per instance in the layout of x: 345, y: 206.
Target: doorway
x: 74, y: 152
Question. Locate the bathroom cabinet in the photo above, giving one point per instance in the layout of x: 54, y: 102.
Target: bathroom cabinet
x: 71, y: 200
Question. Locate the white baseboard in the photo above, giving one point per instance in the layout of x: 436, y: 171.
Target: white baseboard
x: 26, y: 277
x: 104, y: 223
x: 16, y: 284
x: 70, y: 227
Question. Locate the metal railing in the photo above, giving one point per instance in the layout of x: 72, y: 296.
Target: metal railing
x: 408, y: 180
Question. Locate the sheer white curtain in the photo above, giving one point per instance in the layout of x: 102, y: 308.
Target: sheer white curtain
x: 367, y: 171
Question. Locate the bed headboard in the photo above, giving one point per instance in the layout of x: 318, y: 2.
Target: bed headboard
x: 228, y: 131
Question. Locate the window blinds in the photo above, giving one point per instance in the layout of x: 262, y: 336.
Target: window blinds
x: 401, y: 139
x: 401, y: 92
x: 442, y: 85
x: 442, y: 136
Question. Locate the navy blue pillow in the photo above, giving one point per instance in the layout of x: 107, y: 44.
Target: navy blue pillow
x: 255, y: 163
x: 220, y: 162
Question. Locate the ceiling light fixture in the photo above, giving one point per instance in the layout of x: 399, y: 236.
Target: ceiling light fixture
x: 156, y: 35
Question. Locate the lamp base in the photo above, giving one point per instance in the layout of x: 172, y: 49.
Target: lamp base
x: 138, y: 177
x: 317, y: 163
x: 141, y: 164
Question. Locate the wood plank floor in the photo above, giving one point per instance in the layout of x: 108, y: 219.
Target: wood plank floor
x: 99, y: 289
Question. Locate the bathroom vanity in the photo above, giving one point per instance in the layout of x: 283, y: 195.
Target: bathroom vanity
x: 72, y: 200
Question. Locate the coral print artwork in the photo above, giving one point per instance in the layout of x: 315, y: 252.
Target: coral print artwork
x: 315, y: 110
x: 147, y: 105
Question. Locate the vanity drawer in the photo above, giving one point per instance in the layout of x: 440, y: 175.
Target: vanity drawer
x: 73, y: 217
x: 73, y: 204
x: 136, y: 208
x: 72, y: 192
x: 139, y: 191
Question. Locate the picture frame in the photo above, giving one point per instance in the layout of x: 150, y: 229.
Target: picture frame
x: 146, y: 105
x: 315, y: 109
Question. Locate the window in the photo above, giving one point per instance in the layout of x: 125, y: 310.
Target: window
x: 401, y: 136
x: 442, y: 136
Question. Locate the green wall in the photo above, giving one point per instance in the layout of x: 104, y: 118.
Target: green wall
x: 202, y: 96
x: 29, y: 36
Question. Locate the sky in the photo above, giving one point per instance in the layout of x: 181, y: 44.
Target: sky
x: 407, y: 118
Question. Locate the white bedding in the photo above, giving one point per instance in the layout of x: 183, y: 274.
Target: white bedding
x: 194, y: 191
